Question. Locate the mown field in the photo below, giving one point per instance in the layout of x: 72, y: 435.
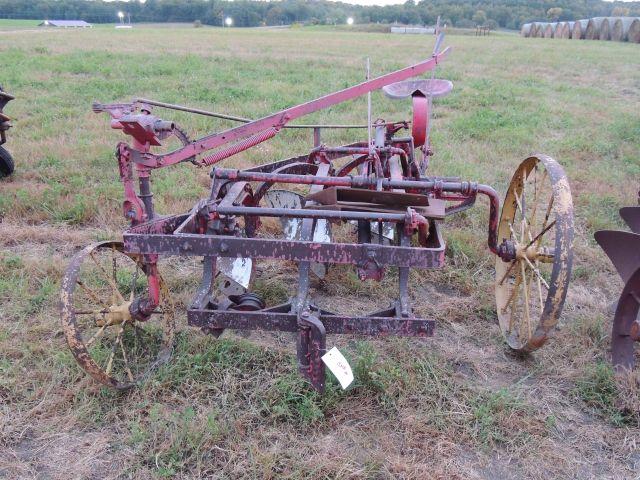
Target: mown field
x: 459, y: 405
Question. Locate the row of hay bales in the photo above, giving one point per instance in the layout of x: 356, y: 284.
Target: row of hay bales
x: 620, y: 29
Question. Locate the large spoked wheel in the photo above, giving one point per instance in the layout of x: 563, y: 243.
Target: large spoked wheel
x: 537, y: 216
x: 107, y: 342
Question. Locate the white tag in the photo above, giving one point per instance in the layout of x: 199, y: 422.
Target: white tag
x: 338, y: 366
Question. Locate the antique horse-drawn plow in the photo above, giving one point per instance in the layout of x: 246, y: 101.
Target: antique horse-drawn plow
x: 116, y: 309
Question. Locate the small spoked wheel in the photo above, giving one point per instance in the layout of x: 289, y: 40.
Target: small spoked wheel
x: 537, y: 218
x: 111, y: 345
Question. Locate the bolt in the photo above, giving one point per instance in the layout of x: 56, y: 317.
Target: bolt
x: 186, y: 247
x: 224, y: 248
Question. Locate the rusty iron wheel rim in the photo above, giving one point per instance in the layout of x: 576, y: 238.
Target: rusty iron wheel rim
x: 531, y: 290
x: 86, y: 341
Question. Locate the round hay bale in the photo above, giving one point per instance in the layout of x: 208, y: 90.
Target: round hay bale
x: 557, y: 31
x: 579, y: 29
x: 633, y: 35
x: 525, y: 31
x: 606, y: 27
x: 593, y: 28
x: 540, y: 30
x: 567, y: 29
x: 532, y: 30
x: 548, y: 30
x: 620, y: 29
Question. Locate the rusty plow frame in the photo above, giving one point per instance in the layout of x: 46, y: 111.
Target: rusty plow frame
x: 380, y: 187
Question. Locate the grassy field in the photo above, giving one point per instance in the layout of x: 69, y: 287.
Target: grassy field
x: 459, y: 405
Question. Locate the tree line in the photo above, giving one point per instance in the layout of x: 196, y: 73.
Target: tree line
x: 509, y: 14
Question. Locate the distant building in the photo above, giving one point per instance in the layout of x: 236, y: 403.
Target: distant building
x: 65, y: 24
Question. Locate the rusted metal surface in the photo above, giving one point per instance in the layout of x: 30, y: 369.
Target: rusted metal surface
x: 288, y: 322
x: 631, y: 216
x: 379, y: 186
x: 623, y: 249
x: 297, y: 251
x: 333, y: 195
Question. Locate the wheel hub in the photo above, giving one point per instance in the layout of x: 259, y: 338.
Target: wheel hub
x: 533, y: 253
x: 117, y: 314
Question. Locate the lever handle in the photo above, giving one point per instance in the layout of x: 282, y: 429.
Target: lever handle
x: 436, y: 47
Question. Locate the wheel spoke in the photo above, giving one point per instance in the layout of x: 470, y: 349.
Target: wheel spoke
x: 92, y: 294
x: 112, y: 356
x: 536, y: 271
x: 510, y: 300
x: 523, y: 196
x: 96, y: 335
x: 539, y: 236
x: 514, y: 234
x: 506, y: 274
x: 126, y: 360
x: 520, y: 207
x: 107, y: 277
x: 114, y: 347
x: 545, y: 227
x: 540, y: 295
x: 526, y: 302
x: 90, y: 312
x: 535, y: 198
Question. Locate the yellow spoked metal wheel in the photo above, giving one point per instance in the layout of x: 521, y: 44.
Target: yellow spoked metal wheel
x: 107, y: 342
x: 537, y: 216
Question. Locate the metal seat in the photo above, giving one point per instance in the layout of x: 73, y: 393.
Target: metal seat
x: 434, y: 88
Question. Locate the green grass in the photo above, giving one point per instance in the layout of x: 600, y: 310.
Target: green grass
x: 456, y: 406
x: 6, y: 22
x: 598, y: 389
